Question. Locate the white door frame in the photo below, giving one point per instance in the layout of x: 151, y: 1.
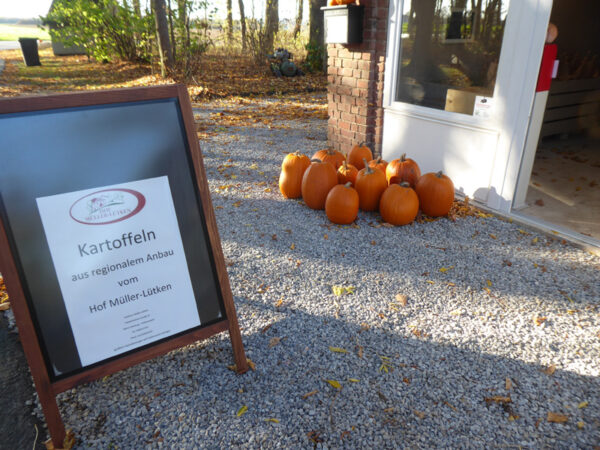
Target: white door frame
x: 518, y: 69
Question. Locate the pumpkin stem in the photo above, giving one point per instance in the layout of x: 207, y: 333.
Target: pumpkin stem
x: 439, y: 174
x: 316, y: 160
x: 378, y: 160
x: 368, y: 168
x: 345, y: 164
x: 405, y: 184
x: 403, y: 157
x: 348, y: 184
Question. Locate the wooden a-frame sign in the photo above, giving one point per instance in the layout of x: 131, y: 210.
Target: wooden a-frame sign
x: 108, y: 241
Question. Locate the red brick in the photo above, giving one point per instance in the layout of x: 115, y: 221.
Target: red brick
x: 349, y: 81
x: 343, y: 125
x: 349, y: 63
x: 360, y: 120
x: 362, y: 84
x: 346, y: 72
x: 348, y: 134
x: 348, y: 117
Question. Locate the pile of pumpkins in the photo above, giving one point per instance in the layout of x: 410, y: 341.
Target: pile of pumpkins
x: 342, y: 184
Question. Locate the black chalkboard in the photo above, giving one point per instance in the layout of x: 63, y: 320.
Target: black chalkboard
x: 58, y: 146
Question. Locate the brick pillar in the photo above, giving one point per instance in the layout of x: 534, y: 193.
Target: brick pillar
x: 355, y: 84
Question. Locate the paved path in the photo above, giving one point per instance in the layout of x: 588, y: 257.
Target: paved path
x: 9, y: 45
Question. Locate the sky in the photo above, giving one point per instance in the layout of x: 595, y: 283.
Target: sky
x: 34, y: 8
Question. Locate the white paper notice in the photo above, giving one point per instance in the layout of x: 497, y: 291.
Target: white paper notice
x: 483, y: 107
x: 119, y: 259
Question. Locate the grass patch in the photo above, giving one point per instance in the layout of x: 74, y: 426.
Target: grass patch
x: 14, y: 32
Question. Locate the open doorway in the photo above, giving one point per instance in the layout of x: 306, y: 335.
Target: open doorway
x: 564, y: 187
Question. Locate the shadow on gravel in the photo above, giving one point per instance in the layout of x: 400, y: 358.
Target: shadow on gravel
x: 411, y: 391
x: 17, y: 425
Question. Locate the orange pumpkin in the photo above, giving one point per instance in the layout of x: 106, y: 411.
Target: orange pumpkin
x: 331, y: 156
x: 436, y: 193
x: 403, y: 169
x: 292, y: 170
x: 378, y: 163
x: 347, y: 172
x: 341, y: 205
x: 318, y: 180
x: 370, y: 184
x: 357, y: 154
x: 399, y: 204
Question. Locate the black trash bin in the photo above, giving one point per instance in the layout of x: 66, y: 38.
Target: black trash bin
x: 29, y: 48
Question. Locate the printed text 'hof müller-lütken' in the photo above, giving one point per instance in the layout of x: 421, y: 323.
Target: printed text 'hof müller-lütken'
x: 108, y: 245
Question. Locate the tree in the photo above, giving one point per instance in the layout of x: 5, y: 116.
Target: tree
x: 136, y: 8
x: 243, y: 24
x: 229, y: 21
x: 162, y: 31
x: 271, y: 24
x: 316, y: 57
x: 298, y: 25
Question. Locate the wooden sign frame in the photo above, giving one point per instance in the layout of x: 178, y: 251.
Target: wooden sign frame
x: 32, y: 341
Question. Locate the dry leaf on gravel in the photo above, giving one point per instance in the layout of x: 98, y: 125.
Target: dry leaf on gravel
x: 401, y: 299
x: 557, y: 417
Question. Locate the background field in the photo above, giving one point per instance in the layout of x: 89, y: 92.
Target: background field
x: 14, y: 32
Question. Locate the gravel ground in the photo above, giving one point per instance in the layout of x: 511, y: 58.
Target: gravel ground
x: 465, y: 334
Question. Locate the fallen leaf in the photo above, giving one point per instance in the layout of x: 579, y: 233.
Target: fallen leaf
x: 279, y: 303
x: 581, y: 424
x: 535, y: 240
x: 264, y: 330
x: 489, y: 283
x: 353, y: 380
x: 539, y: 320
x: 274, y: 341
x: 243, y: 410
x: 338, y: 350
x: 498, y: 399
x: 550, y: 369
x: 557, y: 417
x: 334, y: 383
x: 339, y: 290
x: 310, y: 394
x: 293, y: 246
x: 582, y: 405
x: 508, y: 384
x: 272, y: 419
x: 325, y: 236
x: 419, y: 414
x: 493, y: 236
x: 446, y: 269
x: 373, y: 243
x: 450, y: 406
x: 402, y: 299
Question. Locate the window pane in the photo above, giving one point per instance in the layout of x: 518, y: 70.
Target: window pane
x: 449, y: 52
